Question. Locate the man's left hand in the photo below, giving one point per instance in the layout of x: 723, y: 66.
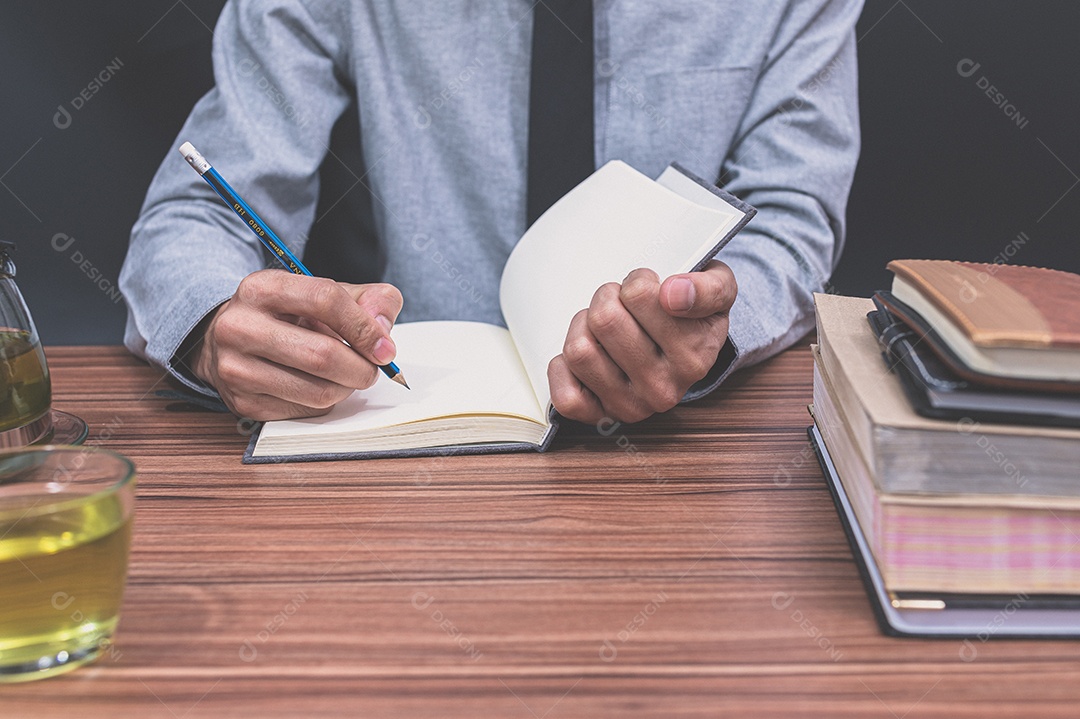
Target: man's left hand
x: 641, y: 344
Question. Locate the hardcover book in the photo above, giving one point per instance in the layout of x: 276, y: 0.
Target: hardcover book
x: 980, y: 616
x: 905, y: 452
x: 999, y: 320
x: 970, y: 542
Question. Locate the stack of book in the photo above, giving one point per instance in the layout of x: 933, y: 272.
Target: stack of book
x: 947, y: 420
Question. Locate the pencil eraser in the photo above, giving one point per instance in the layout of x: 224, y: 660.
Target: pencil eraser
x: 197, y: 161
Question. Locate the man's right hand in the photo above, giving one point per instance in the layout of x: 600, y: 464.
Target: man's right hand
x: 274, y: 350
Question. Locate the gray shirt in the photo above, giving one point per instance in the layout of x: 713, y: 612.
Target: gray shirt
x: 760, y: 97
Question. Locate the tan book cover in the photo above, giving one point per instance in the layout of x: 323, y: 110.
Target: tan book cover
x: 1000, y: 305
x: 1008, y: 324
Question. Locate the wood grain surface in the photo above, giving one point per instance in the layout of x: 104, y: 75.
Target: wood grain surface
x: 631, y: 572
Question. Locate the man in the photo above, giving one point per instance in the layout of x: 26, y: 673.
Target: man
x: 760, y: 97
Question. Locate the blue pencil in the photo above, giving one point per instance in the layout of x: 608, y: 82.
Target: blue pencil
x: 260, y: 228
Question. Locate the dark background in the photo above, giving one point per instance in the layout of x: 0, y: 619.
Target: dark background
x: 944, y: 172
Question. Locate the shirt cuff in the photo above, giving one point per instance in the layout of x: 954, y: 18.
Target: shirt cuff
x: 183, y: 316
x: 180, y: 364
x: 726, y: 363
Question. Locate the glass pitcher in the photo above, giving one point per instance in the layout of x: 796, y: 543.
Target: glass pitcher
x: 25, y: 391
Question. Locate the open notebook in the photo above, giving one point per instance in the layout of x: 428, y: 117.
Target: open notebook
x: 482, y: 388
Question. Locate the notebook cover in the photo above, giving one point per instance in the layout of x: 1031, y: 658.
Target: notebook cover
x: 920, y: 370
x: 953, y: 362
x: 1000, y: 305
x: 964, y: 616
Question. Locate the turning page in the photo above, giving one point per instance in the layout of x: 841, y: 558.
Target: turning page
x: 615, y: 221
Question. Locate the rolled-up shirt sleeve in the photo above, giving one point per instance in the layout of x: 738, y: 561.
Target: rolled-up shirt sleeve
x: 279, y: 70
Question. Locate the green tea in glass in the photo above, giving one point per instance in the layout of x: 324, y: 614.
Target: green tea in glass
x: 25, y: 391
x: 65, y: 532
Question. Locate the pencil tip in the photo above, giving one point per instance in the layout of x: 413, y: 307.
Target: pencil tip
x: 400, y: 379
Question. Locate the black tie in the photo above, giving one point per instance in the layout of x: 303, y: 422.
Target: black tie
x: 560, y: 102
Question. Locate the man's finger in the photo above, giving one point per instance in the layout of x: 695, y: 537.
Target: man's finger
x: 263, y: 407
x: 380, y: 300
x: 569, y: 396
x: 589, y: 361
x: 699, y: 294
x: 313, y: 353
x: 330, y: 304
x: 323, y: 300
x: 253, y: 378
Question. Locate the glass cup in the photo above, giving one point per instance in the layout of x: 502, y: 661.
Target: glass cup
x: 65, y: 531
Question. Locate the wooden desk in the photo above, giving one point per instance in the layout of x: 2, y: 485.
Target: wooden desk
x: 634, y: 574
